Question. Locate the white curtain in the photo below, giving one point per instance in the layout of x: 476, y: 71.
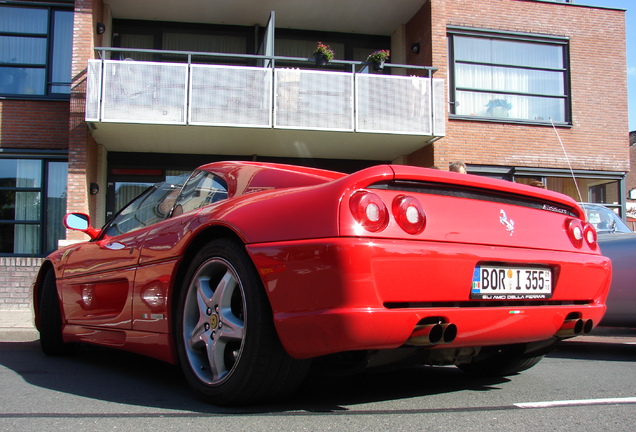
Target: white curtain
x: 26, y: 238
x: 522, y: 78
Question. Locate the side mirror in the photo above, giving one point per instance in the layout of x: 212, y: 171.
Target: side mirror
x: 80, y: 222
x: 77, y: 221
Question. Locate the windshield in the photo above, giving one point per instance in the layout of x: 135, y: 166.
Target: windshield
x: 604, y: 219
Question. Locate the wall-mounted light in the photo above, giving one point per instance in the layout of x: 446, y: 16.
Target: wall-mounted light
x: 100, y: 28
x: 94, y: 188
x: 415, y: 47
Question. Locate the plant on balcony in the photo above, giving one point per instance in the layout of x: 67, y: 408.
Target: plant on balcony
x: 323, y: 54
x: 377, y: 58
x: 498, y: 107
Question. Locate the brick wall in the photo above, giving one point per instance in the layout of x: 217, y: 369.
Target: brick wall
x: 82, y: 167
x: 16, y: 277
x: 34, y: 124
x: 598, y: 138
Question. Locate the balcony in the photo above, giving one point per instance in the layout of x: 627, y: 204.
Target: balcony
x: 244, y: 110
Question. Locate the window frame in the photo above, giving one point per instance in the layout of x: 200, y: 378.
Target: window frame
x: 545, y: 175
x: 48, y: 65
x: 562, y: 42
x: 43, y: 189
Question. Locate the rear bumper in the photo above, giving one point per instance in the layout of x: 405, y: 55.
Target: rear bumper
x: 343, y: 294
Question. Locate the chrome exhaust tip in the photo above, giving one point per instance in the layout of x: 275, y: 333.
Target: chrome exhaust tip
x: 450, y: 332
x: 588, y: 326
x: 432, y: 334
x: 426, y: 334
x: 571, y: 327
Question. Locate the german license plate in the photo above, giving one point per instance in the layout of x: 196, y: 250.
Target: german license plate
x: 511, y: 283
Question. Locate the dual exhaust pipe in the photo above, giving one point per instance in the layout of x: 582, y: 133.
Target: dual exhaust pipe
x: 444, y: 333
x: 575, y: 327
x: 432, y: 334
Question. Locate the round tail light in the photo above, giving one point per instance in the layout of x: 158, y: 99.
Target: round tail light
x: 589, y: 232
x: 369, y: 211
x: 409, y: 214
x: 575, y: 232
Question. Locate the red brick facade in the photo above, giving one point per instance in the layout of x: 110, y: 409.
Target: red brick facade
x: 598, y: 138
x: 41, y: 125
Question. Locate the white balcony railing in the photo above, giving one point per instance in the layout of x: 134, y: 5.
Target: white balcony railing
x: 262, y: 97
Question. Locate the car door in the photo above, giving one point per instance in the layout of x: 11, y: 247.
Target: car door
x: 98, y: 280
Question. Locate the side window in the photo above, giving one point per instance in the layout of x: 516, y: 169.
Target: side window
x: 202, y: 189
x: 150, y: 207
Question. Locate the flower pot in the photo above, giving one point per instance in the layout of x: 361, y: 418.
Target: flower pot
x: 321, y: 59
x: 378, y: 65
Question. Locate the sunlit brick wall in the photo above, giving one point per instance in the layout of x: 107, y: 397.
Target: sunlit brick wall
x: 16, y: 277
x: 598, y: 138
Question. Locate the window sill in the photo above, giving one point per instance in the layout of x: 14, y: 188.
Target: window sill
x: 508, y: 121
x: 62, y: 98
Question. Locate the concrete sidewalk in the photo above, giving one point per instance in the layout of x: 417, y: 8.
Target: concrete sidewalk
x: 16, y: 319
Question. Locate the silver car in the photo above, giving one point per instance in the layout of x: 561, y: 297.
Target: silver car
x: 618, y: 243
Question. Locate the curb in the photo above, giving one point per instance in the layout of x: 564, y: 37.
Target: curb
x: 16, y: 319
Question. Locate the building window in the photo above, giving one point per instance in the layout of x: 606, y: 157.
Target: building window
x: 157, y: 35
x: 35, y: 51
x: 208, y: 38
x: 32, y: 205
x: 595, y: 189
x: 508, y: 77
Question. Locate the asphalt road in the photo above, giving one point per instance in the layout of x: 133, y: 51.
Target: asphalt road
x: 585, y: 385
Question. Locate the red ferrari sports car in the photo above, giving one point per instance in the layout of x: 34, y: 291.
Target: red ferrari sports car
x: 249, y: 273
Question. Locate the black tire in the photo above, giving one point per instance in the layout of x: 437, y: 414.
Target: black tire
x: 504, y: 362
x: 50, y: 324
x: 224, y: 332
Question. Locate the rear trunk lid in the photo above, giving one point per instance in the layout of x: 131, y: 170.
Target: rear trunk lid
x: 460, y: 208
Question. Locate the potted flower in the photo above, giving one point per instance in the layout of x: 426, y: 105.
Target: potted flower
x: 498, y: 107
x: 377, y: 58
x: 323, y: 54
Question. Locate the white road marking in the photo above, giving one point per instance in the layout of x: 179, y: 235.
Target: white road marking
x: 550, y: 404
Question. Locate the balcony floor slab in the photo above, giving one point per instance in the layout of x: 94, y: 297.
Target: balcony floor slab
x: 127, y: 137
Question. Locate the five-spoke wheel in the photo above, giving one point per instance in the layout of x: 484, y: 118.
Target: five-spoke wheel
x: 224, y: 331
x: 214, y: 321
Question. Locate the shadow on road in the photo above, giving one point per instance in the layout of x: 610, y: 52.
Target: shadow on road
x: 604, y: 343
x: 125, y: 378
x: 605, y: 351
